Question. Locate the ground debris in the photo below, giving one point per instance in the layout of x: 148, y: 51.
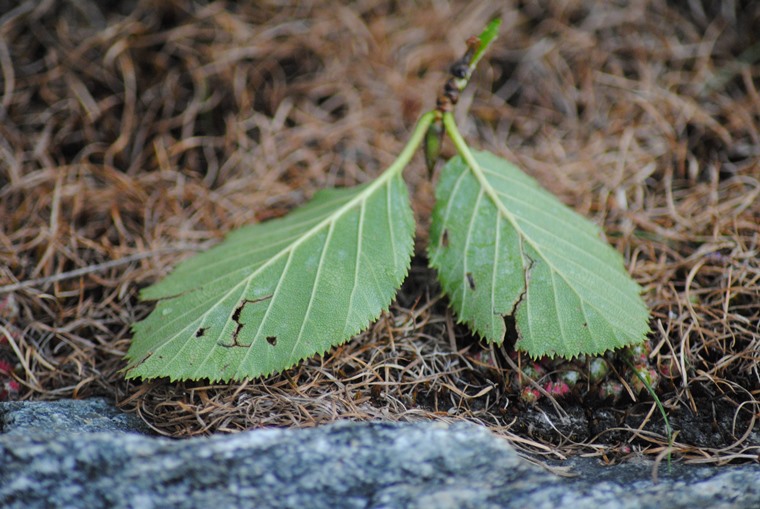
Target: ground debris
x: 146, y: 135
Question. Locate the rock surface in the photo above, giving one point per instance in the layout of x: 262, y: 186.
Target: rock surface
x: 82, y: 416
x: 86, y: 454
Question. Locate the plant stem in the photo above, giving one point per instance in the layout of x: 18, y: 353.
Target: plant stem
x: 460, y: 71
x: 464, y: 150
x: 411, y: 146
x: 489, y: 34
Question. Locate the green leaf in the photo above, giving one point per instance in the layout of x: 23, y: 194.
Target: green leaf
x: 275, y: 293
x: 503, y: 246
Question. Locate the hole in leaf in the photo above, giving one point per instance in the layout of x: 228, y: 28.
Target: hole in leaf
x: 200, y: 332
x: 272, y: 340
x: 236, y: 318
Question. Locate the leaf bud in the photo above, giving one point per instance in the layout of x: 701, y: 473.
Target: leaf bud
x: 433, y: 144
x: 597, y: 370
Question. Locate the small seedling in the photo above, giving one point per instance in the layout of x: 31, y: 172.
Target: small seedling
x: 275, y: 293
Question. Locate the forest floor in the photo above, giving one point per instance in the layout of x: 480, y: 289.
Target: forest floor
x: 134, y: 134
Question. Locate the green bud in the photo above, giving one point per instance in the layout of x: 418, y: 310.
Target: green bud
x: 570, y: 377
x: 597, y: 370
x: 638, y: 353
x: 610, y: 390
x: 433, y: 143
x: 648, y: 374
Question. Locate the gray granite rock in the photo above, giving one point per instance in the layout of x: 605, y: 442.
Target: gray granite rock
x: 345, y: 465
x: 87, y: 416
